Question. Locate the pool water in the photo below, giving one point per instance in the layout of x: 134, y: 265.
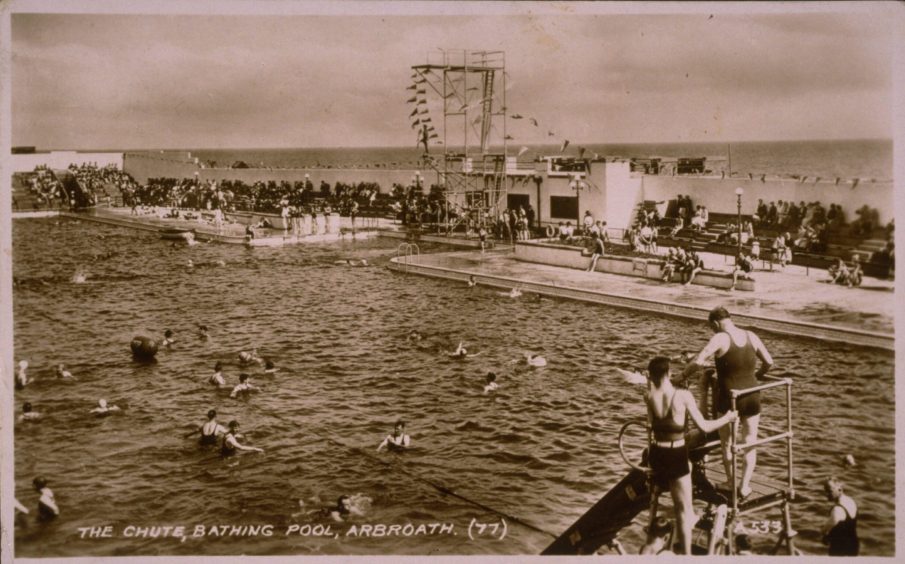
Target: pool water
x: 542, y: 448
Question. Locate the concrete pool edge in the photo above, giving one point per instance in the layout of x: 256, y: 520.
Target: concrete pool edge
x: 807, y: 329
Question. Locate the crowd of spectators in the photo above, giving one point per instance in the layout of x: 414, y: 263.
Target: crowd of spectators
x: 45, y: 187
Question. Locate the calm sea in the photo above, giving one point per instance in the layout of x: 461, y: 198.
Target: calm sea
x: 542, y: 448
x: 828, y: 159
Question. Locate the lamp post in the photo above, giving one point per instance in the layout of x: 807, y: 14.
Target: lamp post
x: 738, y: 196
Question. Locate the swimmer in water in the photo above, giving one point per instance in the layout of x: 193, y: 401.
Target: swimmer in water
x: 61, y: 372
x: 342, y: 510
x: 460, y: 352
x: 513, y: 293
x: 231, y: 445
x: 104, y: 409
x: 189, y: 264
x: 243, y: 387
x: 168, y: 339
x: 491, y: 384
x: 398, y: 440
x: 269, y: 367
x: 28, y: 414
x: 202, y: 332
x: 211, y: 429
x: 534, y: 360
x: 22, y: 376
x: 79, y: 277
x: 47, y: 505
x: 472, y: 282
x: 415, y: 336
x: 217, y: 377
x: 246, y: 357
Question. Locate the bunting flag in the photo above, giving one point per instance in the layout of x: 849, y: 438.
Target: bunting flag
x: 416, y: 123
x: 412, y: 100
x: 472, y: 88
x: 425, y: 120
x: 515, y: 116
x: 450, y: 95
x: 420, y: 91
x: 534, y: 121
x: 420, y: 80
x: 750, y: 176
x: 837, y: 181
x: 476, y: 120
x: 412, y: 87
x: 522, y: 151
x: 433, y: 136
x: 422, y: 102
x: 415, y: 111
x: 804, y: 179
x: 816, y: 180
x: 763, y: 177
x: 581, y: 151
x: 855, y: 182
x: 550, y: 134
x: 508, y: 138
x: 423, y: 110
x: 565, y: 144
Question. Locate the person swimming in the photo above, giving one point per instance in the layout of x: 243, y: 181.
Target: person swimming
x: 491, y: 384
x: 104, y: 409
x: 472, y: 282
x: 342, y: 510
x: 269, y: 367
x: 47, y: 505
x: 415, y: 336
x: 246, y: 357
x: 61, y: 372
x: 243, y: 387
x: 398, y: 440
x: 217, y: 377
x: 189, y: 263
x: 202, y: 332
x: 461, y: 352
x: 168, y: 339
x: 211, y: 429
x: 22, y: 376
x: 535, y: 361
x: 231, y: 444
x: 79, y: 277
x: 28, y: 414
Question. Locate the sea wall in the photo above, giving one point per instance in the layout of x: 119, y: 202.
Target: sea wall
x: 27, y: 162
x: 572, y: 257
x: 719, y: 194
x: 142, y: 167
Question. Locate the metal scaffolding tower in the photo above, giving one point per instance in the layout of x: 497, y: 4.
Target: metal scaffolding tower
x: 469, y: 89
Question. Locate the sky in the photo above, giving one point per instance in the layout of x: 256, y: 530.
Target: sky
x: 584, y: 71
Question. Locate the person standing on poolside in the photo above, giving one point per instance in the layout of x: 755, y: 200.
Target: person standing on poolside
x: 735, y: 353
x: 841, y: 530
x: 597, y: 253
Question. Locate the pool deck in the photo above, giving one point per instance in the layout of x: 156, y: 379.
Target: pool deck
x: 792, y: 301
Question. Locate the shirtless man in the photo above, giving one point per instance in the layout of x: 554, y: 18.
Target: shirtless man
x: 398, y: 440
x: 243, y: 387
x: 217, y: 377
x: 735, y: 353
x: 28, y: 414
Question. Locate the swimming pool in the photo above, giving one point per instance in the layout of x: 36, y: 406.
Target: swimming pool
x: 542, y: 448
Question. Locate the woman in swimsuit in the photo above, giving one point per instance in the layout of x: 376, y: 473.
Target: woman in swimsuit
x: 841, y: 531
x: 231, y: 443
x: 211, y: 429
x: 667, y: 408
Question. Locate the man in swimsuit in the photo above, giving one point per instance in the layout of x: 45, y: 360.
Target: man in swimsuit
x: 667, y: 409
x: 841, y: 530
x: 104, y: 409
x: 244, y: 386
x: 743, y: 267
x: 398, y: 440
x: 211, y: 429
x: 28, y: 414
x: 217, y: 377
x: 63, y: 373
x: 598, y: 251
x: 735, y: 352
x: 168, y: 339
x: 47, y: 505
x: 231, y: 444
x: 491, y: 383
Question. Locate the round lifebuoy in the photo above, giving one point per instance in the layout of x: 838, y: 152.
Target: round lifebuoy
x: 551, y: 231
x: 143, y: 347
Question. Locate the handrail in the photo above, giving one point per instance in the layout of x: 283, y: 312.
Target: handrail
x: 748, y: 446
x: 739, y: 393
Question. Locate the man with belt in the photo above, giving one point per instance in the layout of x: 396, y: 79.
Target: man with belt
x: 735, y: 352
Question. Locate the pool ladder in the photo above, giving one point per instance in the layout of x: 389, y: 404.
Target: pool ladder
x: 405, y: 253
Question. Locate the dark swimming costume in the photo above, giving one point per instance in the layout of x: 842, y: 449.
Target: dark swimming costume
x: 843, y: 537
x: 209, y: 439
x: 666, y: 428
x: 735, y: 371
x: 45, y: 513
x: 668, y: 464
x: 225, y: 448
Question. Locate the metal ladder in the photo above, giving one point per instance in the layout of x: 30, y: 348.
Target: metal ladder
x: 405, y: 252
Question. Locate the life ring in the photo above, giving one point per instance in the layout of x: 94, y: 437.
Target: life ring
x: 143, y: 348
x: 551, y: 231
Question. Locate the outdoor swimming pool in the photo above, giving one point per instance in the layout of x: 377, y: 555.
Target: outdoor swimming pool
x: 543, y: 448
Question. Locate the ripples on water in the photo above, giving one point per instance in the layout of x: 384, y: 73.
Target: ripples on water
x: 543, y: 448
